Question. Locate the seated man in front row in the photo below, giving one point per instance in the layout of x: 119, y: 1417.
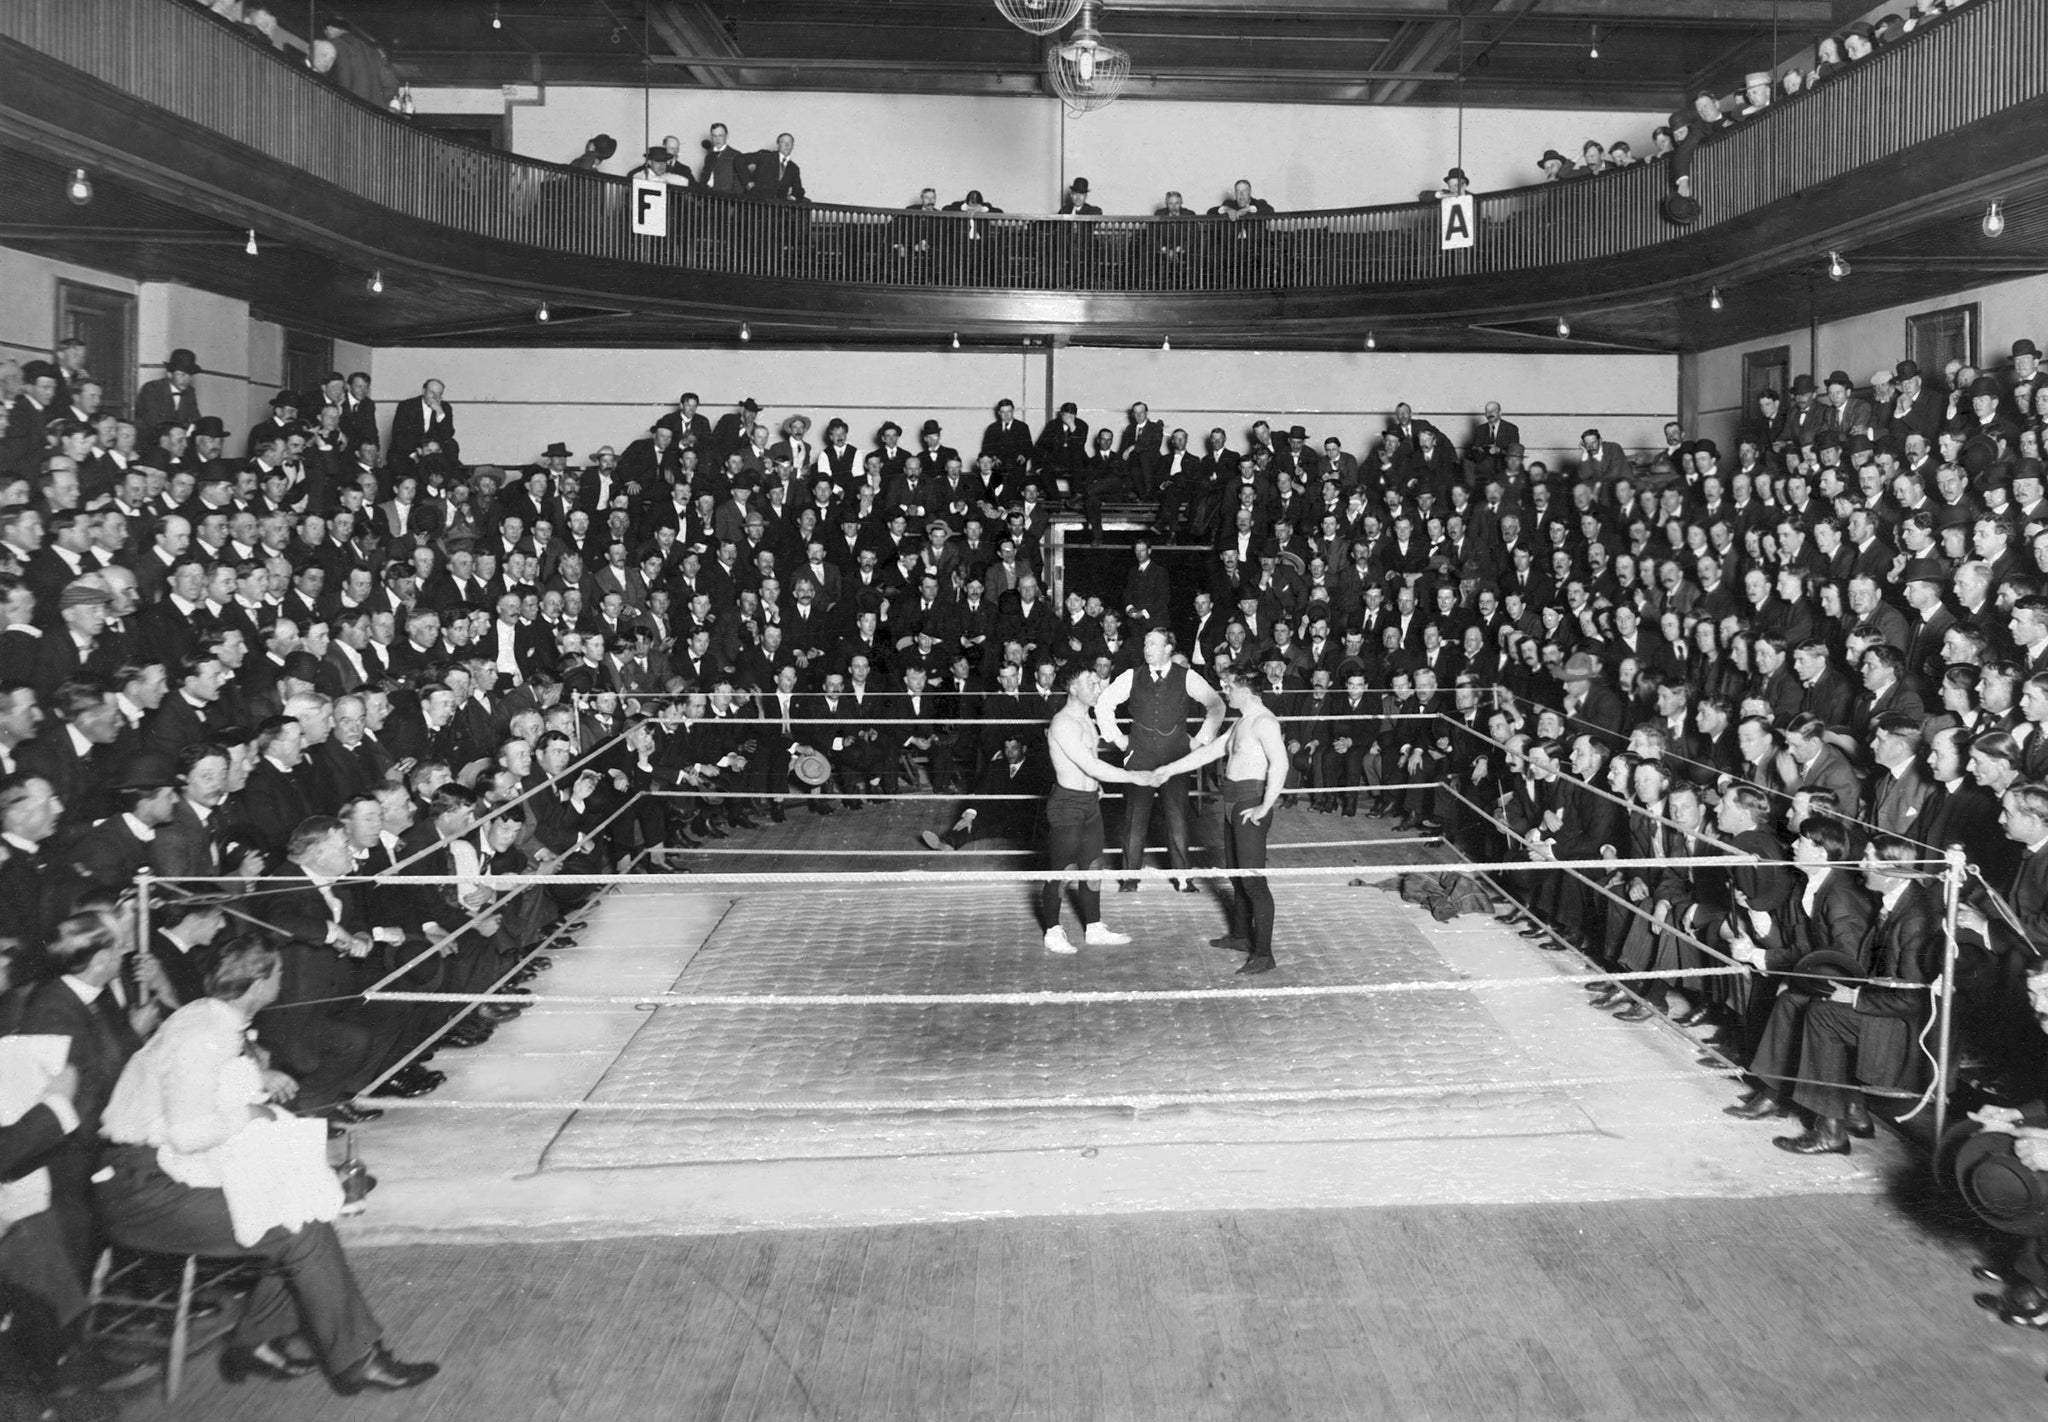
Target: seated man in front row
x: 1014, y: 772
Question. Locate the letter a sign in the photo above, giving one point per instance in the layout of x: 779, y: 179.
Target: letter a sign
x: 1455, y: 222
x: 650, y: 208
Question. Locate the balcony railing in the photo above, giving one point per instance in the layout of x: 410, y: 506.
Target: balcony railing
x: 185, y: 61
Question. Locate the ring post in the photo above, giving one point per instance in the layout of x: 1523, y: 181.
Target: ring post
x: 1944, y: 1006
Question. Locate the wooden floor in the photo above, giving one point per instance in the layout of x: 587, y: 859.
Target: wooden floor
x: 1811, y: 1307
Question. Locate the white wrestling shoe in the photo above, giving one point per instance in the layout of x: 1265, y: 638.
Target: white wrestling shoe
x: 1056, y: 941
x: 1100, y: 935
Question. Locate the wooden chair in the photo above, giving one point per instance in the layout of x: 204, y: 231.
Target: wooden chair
x: 126, y: 1303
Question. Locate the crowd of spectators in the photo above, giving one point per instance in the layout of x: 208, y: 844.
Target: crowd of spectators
x: 1711, y: 112
x: 265, y: 675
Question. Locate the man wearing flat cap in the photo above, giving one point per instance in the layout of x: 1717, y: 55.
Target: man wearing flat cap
x: 73, y: 647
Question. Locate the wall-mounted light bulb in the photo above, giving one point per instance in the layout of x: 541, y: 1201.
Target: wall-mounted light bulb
x: 79, y: 189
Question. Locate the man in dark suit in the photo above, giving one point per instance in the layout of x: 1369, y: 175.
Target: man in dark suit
x: 29, y: 812
x: 1602, y: 462
x: 1833, y: 914
x: 169, y: 399
x: 274, y: 802
x: 69, y: 752
x: 1492, y: 441
x: 423, y: 435
x: 773, y: 175
x: 1142, y: 448
x: 82, y: 1004
x: 311, y: 1030
x: 1857, y: 1037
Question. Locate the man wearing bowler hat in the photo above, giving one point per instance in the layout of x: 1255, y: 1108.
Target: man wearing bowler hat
x: 1803, y: 421
x: 2027, y: 376
x: 1842, y: 414
x: 1915, y: 408
x: 169, y: 399
x: 729, y: 435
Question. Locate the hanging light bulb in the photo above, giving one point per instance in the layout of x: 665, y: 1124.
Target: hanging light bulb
x: 1593, y: 52
x: 542, y: 315
x: 1714, y: 302
x: 1838, y: 267
x: 497, y: 20
x: 1166, y: 343
x: 79, y: 189
x: 1994, y: 218
x: 956, y: 340
x: 376, y: 282
x: 1371, y: 343
x: 1085, y: 62
x: 1564, y: 329
x: 745, y: 333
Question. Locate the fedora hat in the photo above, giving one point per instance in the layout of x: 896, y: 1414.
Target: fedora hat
x: 148, y: 771
x: 2004, y: 1191
x: 1579, y: 666
x: 811, y: 768
x: 557, y: 450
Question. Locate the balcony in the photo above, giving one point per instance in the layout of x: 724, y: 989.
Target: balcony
x: 232, y: 136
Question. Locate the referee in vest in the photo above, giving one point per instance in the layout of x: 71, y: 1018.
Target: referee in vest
x: 1158, y: 697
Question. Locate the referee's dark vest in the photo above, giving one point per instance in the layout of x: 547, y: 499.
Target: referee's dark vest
x: 1159, y: 717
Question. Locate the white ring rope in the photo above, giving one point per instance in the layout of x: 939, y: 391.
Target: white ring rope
x: 1049, y: 998
x: 1133, y: 1101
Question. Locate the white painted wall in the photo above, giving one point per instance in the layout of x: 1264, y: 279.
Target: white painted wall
x: 511, y: 403
x: 1861, y: 345
x: 881, y: 148
x: 28, y: 301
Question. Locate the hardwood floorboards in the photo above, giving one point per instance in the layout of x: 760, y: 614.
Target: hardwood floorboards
x: 1813, y: 1307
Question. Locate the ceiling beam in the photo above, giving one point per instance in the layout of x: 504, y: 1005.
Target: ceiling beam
x: 693, y: 35
x: 1817, y: 14
x: 1419, y: 48
x: 1786, y: 14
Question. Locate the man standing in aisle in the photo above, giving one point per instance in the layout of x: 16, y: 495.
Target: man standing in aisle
x: 1158, y: 696
x: 1253, y: 777
x: 1073, y: 813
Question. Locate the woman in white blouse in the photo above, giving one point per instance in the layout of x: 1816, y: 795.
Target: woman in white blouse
x: 192, y: 1089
